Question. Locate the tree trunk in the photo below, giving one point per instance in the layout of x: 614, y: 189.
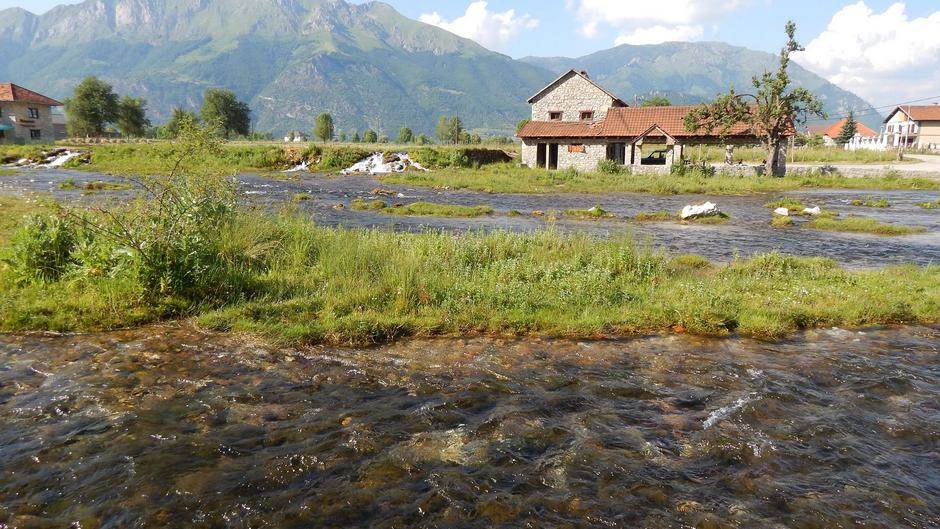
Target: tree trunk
x: 776, y: 164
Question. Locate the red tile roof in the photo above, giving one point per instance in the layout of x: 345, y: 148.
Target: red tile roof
x: 627, y: 122
x: 835, y: 129
x: 10, y: 93
x: 919, y: 113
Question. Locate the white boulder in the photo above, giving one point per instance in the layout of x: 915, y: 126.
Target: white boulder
x: 694, y: 211
x: 812, y: 211
x: 782, y: 212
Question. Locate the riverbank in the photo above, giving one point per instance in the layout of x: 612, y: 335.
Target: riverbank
x: 506, y: 178
x: 284, y: 278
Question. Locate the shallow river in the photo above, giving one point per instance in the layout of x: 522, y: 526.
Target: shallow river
x: 748, y: 232
x: 169, y: 427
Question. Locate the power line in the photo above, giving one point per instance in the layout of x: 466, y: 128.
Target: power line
x: 873, y: 110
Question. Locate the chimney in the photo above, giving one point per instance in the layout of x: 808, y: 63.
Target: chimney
x: 584, y: 73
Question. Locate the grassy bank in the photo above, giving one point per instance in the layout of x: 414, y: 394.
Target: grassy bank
x: 293, y: 282
x: 153, y: 159
x: 421, y: 209
x: 870, y: 226
x: 509, y: 178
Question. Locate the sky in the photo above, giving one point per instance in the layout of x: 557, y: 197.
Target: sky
x: 887, y: 51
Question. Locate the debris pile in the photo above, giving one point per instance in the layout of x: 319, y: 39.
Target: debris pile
x: 384, y: 163
x: 49, y: 159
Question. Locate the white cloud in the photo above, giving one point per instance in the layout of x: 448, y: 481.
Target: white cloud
x: 658, y: 34
x: 884, y: 57
x: 491, y: 29
x: 645, y: 22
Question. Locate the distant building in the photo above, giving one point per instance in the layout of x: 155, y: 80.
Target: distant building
x: 26, y: 116
x: 830, y: 132
x: 914, y: 127
x: 576, y: 123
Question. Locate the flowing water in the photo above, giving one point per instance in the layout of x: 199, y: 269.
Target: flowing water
x: 747, y: 233
x: 170, y: 427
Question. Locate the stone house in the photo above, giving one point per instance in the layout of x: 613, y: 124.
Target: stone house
x: 576, y: 123
x: 26, y: 116
x: 913, y: 126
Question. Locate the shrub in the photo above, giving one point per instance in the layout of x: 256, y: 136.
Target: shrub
x: 341, y: 157
x: 610, y: 167
x: 781, y: 221
x: 703, y: 170
x: 42, y: 249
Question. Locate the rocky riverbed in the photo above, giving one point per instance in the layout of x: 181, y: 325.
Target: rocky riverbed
x: 171, y: 427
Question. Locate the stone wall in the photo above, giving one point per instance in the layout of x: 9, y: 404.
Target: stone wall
x: 585, y: 162
x: 571, y: 97
x: 529, y: 153
x: 568, y: 157
x: 16, y: 114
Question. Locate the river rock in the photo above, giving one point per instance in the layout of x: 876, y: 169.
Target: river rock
x: 782, y: 211
x: 695, y: 211
x: 812, y: 211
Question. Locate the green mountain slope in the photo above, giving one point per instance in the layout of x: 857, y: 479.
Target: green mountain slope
x: 291, y: 59
x: 691, y: 72
x: 367, y: 64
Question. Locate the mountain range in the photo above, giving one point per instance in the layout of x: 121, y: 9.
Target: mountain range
x: 367, y: 64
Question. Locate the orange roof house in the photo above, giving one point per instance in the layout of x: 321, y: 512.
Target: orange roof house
x: 916, y: 126
x: 11, y: 93
x: 830, y: 132
x: 25, y: 115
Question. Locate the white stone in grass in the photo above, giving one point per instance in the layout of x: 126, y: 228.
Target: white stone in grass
x: 812, y: 211
x: 784, y: 212
x: 694, y: 211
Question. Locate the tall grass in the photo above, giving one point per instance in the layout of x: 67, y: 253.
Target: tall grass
x: 293, y: 282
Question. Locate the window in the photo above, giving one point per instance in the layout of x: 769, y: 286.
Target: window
x: 587, y: 115
x: 35, y: 134
x: 554, y: 116
x: 33, y: 113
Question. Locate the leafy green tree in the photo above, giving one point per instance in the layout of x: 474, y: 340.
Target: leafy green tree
x: 656, y: 101
x: 343, y: 137
x: 132, y: 117
x: 450, y: 129
x: 91, y: 108
x: 178, y: 120
x: 423, y: 140
x: 475, y: 139
x: 324, y: 129
x: 772, y: 112
x: 370, y: 136
x: 355, y: 137
x: 383, y: 139
x: 849, y: 130
x: 405, y: 135
x: 521, y: 124
x: 222, y: 109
